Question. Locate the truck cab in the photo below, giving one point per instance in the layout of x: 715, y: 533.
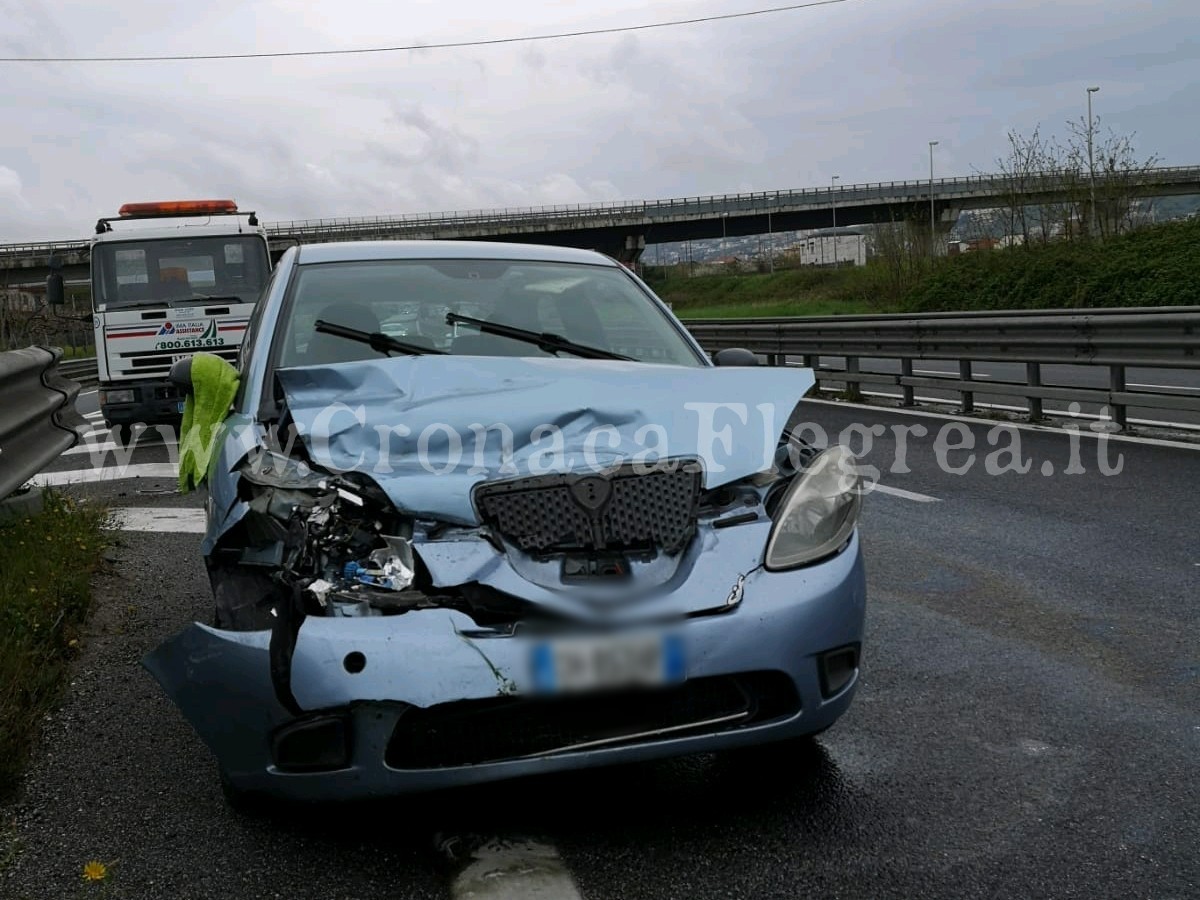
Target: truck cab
x: 169, y: 279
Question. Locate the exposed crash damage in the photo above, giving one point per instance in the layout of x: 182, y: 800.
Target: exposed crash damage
x: 457, y: 569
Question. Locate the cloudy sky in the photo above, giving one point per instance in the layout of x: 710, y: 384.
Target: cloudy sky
x: 855, y: 89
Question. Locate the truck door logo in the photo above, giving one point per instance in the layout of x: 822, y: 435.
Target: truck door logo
x: 199, y: 328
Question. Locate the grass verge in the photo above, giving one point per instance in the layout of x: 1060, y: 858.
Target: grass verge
x: 46, y: 563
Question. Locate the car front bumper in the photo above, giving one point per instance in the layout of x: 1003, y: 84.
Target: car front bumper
x: 429, y: 660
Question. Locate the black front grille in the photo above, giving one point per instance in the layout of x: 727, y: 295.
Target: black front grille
x: 471, y: 732
x: 619, y: 509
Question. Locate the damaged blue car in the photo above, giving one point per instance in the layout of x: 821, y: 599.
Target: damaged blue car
x: 539, y: 530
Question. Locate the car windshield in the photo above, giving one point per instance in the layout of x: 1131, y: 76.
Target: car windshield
x: 174, y: 271
x: 599, y: 307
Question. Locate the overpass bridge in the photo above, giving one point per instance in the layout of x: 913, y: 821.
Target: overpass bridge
x: 622, y: 230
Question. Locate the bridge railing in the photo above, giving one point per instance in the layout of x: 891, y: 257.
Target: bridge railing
x: 753, y: 203
x: 852, y: 351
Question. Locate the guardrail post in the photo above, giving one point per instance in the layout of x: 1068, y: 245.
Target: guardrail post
x: 1116, y: 384
x: 964, y: 374
x: 853, y: 394
x: 1033, y: 378
x: 906, y: 390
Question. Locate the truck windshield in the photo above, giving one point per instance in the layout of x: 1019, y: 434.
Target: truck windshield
x: 178, y: 271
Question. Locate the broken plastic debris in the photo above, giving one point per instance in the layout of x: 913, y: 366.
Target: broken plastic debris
x: 391, y: 566
x: 319, y: 589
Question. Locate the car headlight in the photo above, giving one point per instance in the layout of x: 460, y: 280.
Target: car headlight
x: 124, y: 396
x: 817, y: 513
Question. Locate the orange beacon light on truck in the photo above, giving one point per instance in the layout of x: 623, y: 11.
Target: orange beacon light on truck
x: 178, y: 208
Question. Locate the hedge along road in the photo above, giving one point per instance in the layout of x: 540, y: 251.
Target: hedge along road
x: 1028, y: 721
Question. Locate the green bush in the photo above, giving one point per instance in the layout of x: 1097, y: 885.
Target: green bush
x: 1157, y: 266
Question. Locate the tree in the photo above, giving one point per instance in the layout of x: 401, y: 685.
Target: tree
x: 1120, y: 179
x: 1047, y: 186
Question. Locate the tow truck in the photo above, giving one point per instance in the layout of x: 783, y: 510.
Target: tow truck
x: 169, y: 280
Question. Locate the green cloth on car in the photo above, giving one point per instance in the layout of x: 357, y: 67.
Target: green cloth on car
x: 214, y: 383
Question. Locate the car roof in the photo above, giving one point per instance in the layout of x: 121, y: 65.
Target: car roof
x: 353, y: 251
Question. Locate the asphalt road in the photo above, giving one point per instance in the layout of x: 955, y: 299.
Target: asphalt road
x: 1028, y: 723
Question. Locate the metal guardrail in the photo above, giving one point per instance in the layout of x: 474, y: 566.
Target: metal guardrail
x: 1150, y: 337
x: 37, y: 418
x: 1161, y: 338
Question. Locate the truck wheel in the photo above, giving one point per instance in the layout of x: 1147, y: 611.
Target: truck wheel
x: 122, y: 434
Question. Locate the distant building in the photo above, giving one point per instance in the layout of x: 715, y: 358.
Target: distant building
x: 831, y: 247
x: 987, y: 243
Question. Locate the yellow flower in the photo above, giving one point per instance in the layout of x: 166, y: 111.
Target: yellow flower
x: 95, y: 871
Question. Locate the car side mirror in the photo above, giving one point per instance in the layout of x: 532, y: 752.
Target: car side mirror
x: 55, y: 295
x: 734, y: 356
x: 181, y: 374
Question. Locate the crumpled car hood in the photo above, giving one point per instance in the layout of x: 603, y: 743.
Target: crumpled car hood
x: 426, y: 429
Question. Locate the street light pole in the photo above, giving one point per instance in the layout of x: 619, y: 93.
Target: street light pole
x: 1092, y: 161
x: 932, y: 213
x: 833, y: 200
x: 770, y: 245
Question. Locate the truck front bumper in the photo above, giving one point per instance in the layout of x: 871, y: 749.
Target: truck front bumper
x: 155, y: 402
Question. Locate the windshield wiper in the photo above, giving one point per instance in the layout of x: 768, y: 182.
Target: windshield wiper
x: 376, y: 340
x: 551, y: 343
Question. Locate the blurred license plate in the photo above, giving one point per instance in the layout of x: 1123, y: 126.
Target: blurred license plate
x: 597, y: 663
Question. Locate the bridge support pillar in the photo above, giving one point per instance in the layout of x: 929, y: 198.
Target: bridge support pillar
x: 632, y: 249
x: 920, y: 234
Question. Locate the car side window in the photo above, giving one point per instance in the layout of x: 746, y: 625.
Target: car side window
x: 246, y: 351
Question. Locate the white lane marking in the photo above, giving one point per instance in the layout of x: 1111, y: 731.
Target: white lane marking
x: 950, y: 374
x: 159, y: 518
x: 1161, y: 387
x: 515, y: 870
x: 89, y: 393
x: 113, y: 473
x: 95, y: 432
x: 1020, y: 426
x: 900, y: 492
x: 93, y: 415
